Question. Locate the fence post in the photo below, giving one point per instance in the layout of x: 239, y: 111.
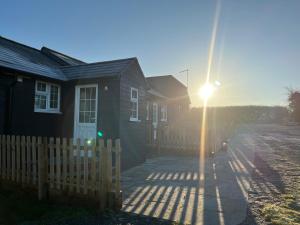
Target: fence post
x: 28, y: 147
x: 102, y: 175
x: 23, y: 159
x: 51, y: 162
x: 42, y: 168
x: 71, y: 167
x: 8, y: 158
x: 118, y: 201
x: 13, y: 157
x: 57, y: 161
x: 65, y: 163
x: 78, y: 166
x: 33, y: 147
x: 109, y: 173
x: 85, y: 167
x: 18, y: 159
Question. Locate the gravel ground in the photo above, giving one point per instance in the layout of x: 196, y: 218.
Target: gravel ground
x: 277, y: 162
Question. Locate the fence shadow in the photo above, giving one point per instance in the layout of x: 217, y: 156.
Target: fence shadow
x: 170, y: 188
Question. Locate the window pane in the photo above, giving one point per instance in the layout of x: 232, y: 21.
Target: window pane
x: 81, y: 117
x: 133, y: 110
x: 82, y: 105
x: 93, y: 93
x: 93, y: 117
x: 82, y: 93
x: 88, y: 93
x: 41, y: 86
x: 93, y: 105
x: 53, y: 97
x: 88, y: 105
x: 85, y: 117
x: 133, y: 93
x: 40, y: 101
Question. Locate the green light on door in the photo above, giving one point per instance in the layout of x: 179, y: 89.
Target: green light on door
x: 100, y: 134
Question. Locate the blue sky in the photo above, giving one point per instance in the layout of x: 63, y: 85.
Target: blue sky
x: 257, y: 50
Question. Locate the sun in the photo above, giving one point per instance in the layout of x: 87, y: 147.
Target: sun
x: 206, y: 91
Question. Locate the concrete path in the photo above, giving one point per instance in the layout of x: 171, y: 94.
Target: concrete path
x: 169, y: 187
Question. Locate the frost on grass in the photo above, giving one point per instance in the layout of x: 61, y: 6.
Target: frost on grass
x: 285, y: 213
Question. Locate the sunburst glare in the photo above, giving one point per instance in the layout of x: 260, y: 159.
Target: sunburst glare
x: 206, y: 91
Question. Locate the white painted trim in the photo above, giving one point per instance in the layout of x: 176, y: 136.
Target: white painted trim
x: 135, y: 119
x: 148, y: 110
x: 161, y: 112
x: 47, y: 93
x: 76, y: 107
x: 154, y: 123
x: 43, y: 111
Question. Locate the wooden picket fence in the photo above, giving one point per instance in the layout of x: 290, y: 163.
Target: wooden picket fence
x: 175, y: 142
x: 71, y: 167
x: 178, y: 142
x: 185, y: 143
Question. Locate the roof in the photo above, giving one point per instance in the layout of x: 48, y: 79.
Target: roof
x: 52, y: 64
x: 20, y: 57
x: 61, y: 58
x: 99, y: 69
x: 163, y: 84
x: 156, y: 93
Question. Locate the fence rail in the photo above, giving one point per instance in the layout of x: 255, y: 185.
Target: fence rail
x: 88, y: 168
x: 178, y: 142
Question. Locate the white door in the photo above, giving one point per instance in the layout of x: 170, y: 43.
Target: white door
x: 85, y: 118
x: 154, y: 119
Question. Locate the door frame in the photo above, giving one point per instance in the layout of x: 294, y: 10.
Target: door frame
x: 76, y: 106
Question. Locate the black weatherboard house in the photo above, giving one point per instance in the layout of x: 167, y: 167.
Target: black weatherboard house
x: 167, y: 106
x: 46, y: 93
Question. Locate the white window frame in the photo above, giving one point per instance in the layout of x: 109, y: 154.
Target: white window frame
x: 147, y: 110
x: 164, y: 113
x: 135, y: 100
x: 155, y: 113
x: 47, y: 93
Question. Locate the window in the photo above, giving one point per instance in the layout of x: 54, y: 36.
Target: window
x: 164, y: 113
x: 147, y: 111
x: 87, y: 105
x: 134, y: 100
x: 47, y: 97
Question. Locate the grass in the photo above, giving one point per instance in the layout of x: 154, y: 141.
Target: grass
x: 23, y: 207
x: 285, y: 213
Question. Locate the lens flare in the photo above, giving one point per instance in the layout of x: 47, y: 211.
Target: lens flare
x: 206, y: 91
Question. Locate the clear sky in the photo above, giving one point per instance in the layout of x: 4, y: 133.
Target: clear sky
x: 257, y: 51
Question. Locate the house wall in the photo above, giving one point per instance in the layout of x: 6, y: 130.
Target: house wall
x: 24, y: 121
x: 177, y: 112
x: 5, y: 83
x: 133, y: 135
x: 108, y: 106
x: 161, y: 124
